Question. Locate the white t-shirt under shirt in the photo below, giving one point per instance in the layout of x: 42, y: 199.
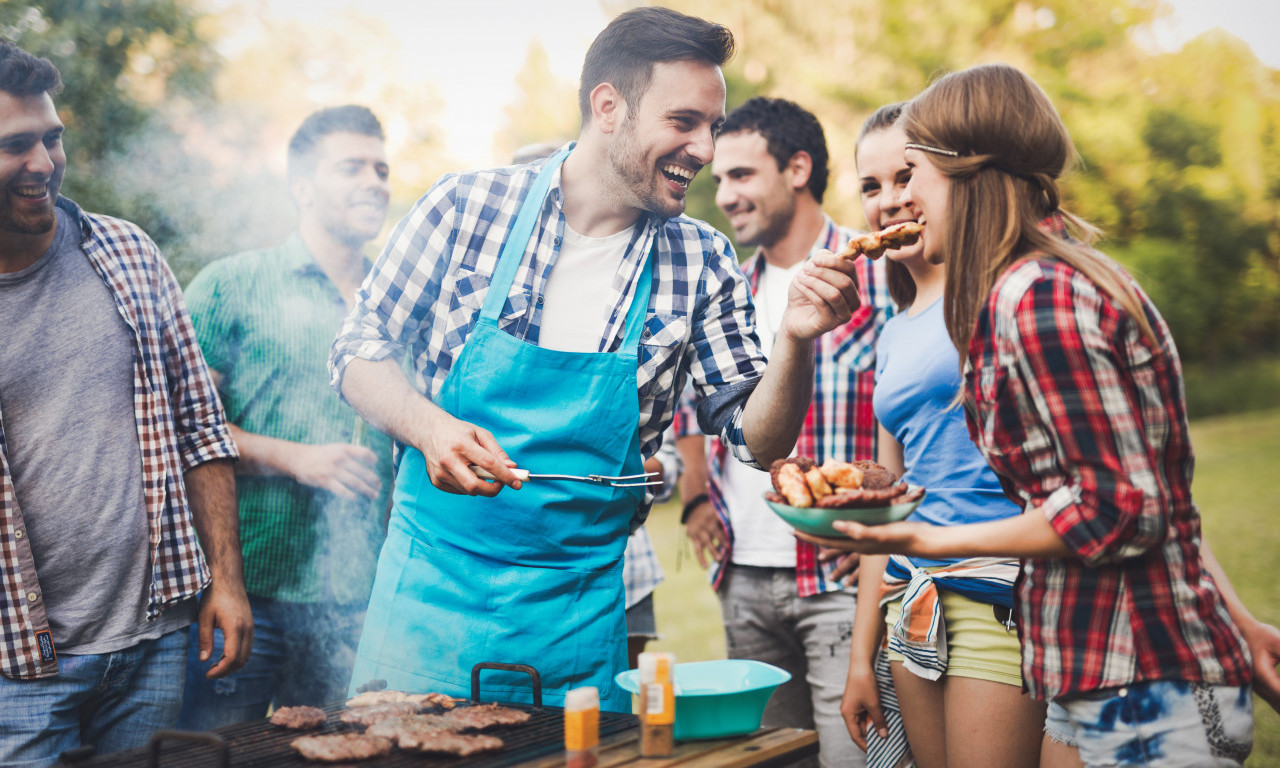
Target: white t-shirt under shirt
x: 760, y: 537
x: 572, y: 321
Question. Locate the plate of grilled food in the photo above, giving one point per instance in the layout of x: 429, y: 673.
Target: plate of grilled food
x: 811, y: 496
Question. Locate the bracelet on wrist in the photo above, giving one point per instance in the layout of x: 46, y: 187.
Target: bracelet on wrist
x: 693, y: 504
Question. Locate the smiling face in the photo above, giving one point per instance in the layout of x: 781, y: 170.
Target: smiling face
x: 32, y: 164
x: 758, y: 199
x: 349, y: 191
x: 883, y: 174
x: 927, y: 196
x: 669, y: 136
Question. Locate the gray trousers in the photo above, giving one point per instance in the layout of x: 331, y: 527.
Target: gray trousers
x: 766, y: 621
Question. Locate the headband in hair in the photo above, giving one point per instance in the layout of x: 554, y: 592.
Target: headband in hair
x: 991, y: 163
x: 934, y: 150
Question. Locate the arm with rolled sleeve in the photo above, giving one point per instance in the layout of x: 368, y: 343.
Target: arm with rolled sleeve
x: 198, y: 418
x: 206, y: 450
x: 405, y: 280
x: 391, y: 304
x: 725, y: 359
x: 1069, y: 427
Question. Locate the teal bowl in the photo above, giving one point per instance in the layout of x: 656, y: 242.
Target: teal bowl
x: 817, y: 521
x: 717, y: 699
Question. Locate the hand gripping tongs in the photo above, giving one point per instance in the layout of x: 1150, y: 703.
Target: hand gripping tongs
x: 614, y: 481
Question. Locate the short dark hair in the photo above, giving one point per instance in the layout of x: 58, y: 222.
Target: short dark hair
x: 787, y: 128
x: 22, y: 74
x: 625, y: 52
x: 350, y: 118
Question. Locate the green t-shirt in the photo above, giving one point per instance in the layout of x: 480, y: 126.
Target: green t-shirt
x: 265, y: 321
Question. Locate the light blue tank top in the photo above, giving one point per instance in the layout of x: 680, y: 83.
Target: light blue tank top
x: 917, y: 377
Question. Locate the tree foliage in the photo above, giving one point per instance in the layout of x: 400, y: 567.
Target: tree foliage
x: 124, y: 65
x: 1180, y: 151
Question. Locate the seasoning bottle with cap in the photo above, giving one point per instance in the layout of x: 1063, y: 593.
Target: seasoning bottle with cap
x: 581, y: 727
x: 657, y: 704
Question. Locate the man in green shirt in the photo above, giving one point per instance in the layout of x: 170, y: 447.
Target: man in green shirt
x: 313, y: 478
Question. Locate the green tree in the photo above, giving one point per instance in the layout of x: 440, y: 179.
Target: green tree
x: 120, y: 63
x: 1181, y: 151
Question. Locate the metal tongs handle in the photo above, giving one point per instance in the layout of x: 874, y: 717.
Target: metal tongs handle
x: 616, y: 481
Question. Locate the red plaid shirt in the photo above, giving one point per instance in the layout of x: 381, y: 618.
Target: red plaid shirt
x: 180, y: 425
x: 1086, y: 424
x: 840, y: 424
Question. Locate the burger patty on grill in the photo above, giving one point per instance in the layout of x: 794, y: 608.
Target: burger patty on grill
x: 425, y: 733
x: 339, y: 747
x: 299, y: 718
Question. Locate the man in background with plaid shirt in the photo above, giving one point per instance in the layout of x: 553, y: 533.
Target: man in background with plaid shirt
x: 781, y: 602
x: 115, y: 462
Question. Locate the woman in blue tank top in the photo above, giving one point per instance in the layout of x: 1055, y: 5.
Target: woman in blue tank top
x: 953, y: 651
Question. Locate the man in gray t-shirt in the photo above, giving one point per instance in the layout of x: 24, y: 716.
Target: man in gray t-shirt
x: 115, y: 462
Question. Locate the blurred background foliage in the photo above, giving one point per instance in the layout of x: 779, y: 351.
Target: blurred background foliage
x: 1181, y: 151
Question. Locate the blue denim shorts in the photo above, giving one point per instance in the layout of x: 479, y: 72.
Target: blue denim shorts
x: 1161, y: 724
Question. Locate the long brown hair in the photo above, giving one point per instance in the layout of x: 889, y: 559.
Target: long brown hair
x: 1011, y: 148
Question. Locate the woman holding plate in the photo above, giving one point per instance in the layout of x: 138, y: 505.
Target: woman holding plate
x: 1073, y: 392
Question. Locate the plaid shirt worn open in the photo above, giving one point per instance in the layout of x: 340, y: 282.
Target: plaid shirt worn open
x: 1086, y: 424
x: 427, y: 287
x: 180, y: 426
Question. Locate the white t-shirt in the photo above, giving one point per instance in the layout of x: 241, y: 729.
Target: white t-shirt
x: 573, y: 308
x: 759, y: 536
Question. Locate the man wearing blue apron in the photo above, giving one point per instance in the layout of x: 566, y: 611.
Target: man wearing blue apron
x: 533, y: 575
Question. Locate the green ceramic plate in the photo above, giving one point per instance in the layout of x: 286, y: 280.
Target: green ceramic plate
x: 817, y: 521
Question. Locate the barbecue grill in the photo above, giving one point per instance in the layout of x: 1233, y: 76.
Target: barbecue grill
x: 260, y: 744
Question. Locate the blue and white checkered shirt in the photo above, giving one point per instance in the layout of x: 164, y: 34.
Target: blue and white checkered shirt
x: 426, y: 289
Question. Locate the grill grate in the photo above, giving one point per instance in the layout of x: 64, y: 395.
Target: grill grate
x: 262, y: 745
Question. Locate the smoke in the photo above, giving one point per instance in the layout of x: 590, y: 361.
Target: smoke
x: 198, y: 184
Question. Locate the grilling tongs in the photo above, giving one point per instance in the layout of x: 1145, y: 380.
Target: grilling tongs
x: 615, y: 481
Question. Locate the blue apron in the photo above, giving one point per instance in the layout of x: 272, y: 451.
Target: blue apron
x: 532, y: 576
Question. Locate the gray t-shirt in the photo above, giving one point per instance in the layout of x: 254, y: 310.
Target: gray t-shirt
x: 66, y: 389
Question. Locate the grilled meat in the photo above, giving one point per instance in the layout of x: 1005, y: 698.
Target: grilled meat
x: 340, y: 747
x: 299, y: 718
x: 432, y: 733
x: 422, y: 700
x: 858, y: 484
x: 481, y: 716
x: 376, y: 713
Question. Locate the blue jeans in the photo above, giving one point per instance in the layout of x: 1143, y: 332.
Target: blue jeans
x: 302, y: 654
x: 1161, y: 724
x: 113, y: 701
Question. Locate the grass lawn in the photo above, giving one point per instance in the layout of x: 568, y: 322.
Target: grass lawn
x: 1237, y: 487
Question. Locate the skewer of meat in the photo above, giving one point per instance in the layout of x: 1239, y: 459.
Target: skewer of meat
x: 875, y: 244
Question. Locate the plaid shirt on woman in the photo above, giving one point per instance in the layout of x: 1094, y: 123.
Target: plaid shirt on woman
x: 180, y: 426
x: 426, y: 289
x: 840, y: 423
x: 1086, y: 424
